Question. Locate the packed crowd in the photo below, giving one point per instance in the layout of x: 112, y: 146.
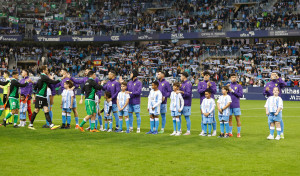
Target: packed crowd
x: 131, y: 17
x: 283, y: 15
x: 252, y: 62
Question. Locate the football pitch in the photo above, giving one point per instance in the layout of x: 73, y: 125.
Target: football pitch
x: 71, y: 152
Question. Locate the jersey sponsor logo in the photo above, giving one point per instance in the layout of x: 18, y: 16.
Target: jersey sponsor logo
x: 134, y: 84
x: 112, y: 85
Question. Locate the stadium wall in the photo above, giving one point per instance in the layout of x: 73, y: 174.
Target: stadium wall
x: 161, y: 36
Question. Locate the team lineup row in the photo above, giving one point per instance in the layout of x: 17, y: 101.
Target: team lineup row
x: 123, y: 99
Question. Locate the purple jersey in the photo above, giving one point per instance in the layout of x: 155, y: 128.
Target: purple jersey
x: 236, y: 94
x: 186, y: 87
x: 202, y: 87
x: 136, y: 88
x: 274, y: 83
x: 165, y: 89
x: 114, y: 88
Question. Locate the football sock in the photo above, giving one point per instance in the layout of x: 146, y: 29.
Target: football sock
x: 117, y: 119
x: 127, y: 124
x: 222, y: 127
x: 100, y: 120
x: 69, y: 118
x: 48, y: 118
x: 51, y: 114
x: 209, y: 128
x: 278, y: 131
x: 272, y: 129
x: 230, y: 129
x: 226, y: 127
x: 138, y: 120
x: 163, y: 120
x: 205, y: 128
x: 156, y: 123
x: 63, y: 118
x: 110, y: 125
x: 105, y: 125
x: 15, y: 119
x: 174, y: 123
x: 239, y: 129
x: 214, y: 126
x: 1, y: 111
x: 281, y: 126
x: 82, y: 123
x: 8, y: 116
x: 121, y: 124
x: 77, y: 120
x: 178, y: 124
x: 130, y: 119
x: 151, y: 124
x: 96, y: 123
x: 33, y: 117
x: 92, y: 124
x: 188, y: 123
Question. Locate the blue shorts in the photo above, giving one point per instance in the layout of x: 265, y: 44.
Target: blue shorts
x: 123, y: 113
x: 207, y: 120
x: 235, y: 111
x: 115, y: 108
x: 163, y: 108
x: 134, y: 108
x: 107, y: 117
x: 67, y: 110
x: 186, y: 111
x: 272, y: 117
x: 225, y: 118
x: 22, y: 116
x: 74, y: 103
x: 175, y: 113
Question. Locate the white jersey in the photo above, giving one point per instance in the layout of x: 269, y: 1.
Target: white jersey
x: 122, y: 98
x: 49, y: 93
x: 106, y: 107
x: 208, y: 106
x: 273, y: 103
x: 223, y: 101
x: 177, y: 102
x: 23, y: 107
x: 66, y: 98
x: 154, y: 101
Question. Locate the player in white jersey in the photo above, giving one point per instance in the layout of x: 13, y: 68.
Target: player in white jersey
x: 67, y: 104
x: 274, y: 106
x: 224, y: 111
x: 23, y: 110
x: 176, y: 107
x: 207, y: 111
x: 154, y: 101
x: 107, y: 111
x: 122, y: 103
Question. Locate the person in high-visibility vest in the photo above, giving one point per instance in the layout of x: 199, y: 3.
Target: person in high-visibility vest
x: 5, y: 95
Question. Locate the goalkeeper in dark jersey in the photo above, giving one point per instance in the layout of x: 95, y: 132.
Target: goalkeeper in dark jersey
x: 89, y: 90
x: 41, y: 97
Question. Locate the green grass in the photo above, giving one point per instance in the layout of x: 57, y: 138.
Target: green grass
x: 70, y: 152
